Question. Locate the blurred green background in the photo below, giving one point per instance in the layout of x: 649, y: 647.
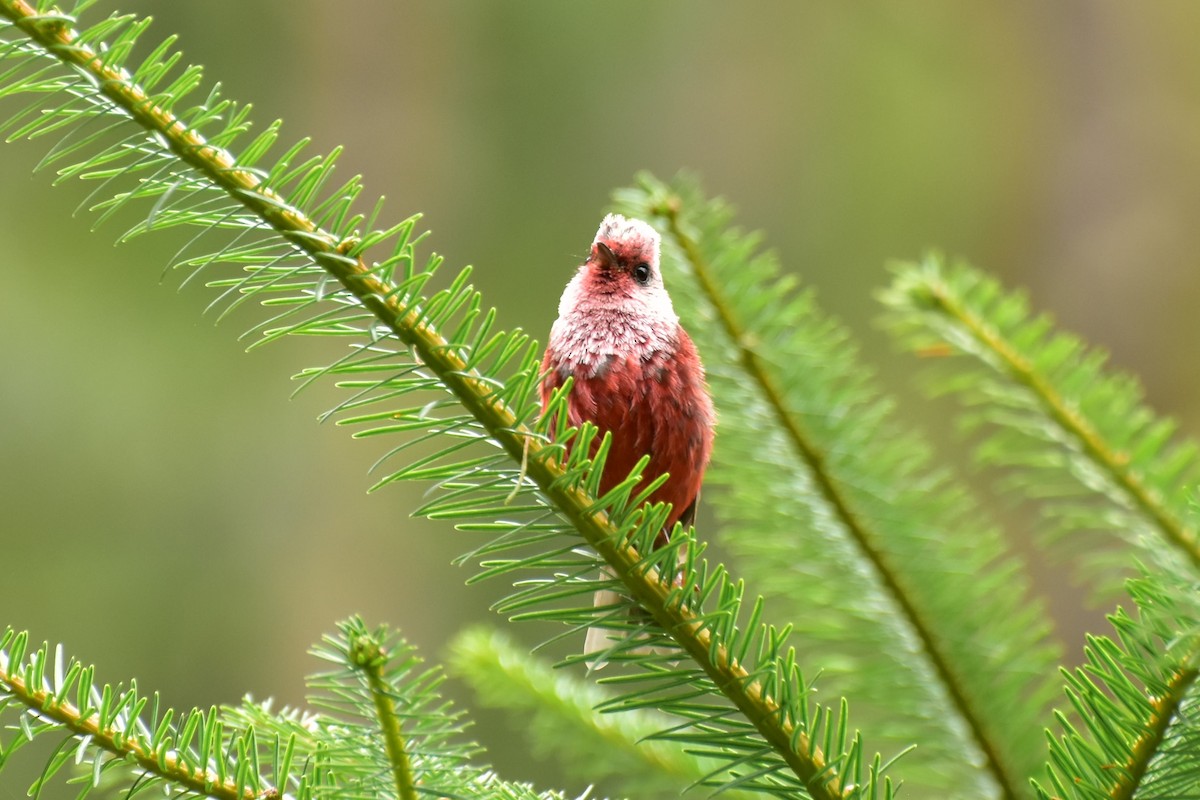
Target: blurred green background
x: 144, y: 456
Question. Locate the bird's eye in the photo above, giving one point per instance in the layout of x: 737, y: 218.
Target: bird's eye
x: 641, y: 273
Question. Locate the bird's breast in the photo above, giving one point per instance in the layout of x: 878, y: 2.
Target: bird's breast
x: 653, y: 401
x: 592, y: 342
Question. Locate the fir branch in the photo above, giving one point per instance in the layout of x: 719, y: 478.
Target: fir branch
x: 770, y: 695
x: 54, y: 33
x: 558, y: 712
x: 856, y: 526
x: 1094, y: 417
x: 368, y: 655
x: 1130, y: 698
x: 97, y: 726
x: 1173, y: 771
x: 388, y: 731
x: 1164, y: 710
x: 227, y: 754
x: 1080, y: 442
x: 345, y: 747
x: 939, y: 607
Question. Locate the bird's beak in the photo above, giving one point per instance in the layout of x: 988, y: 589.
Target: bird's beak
x: 605, y: 257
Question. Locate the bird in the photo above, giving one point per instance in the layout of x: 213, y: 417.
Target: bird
x: 635, y: 373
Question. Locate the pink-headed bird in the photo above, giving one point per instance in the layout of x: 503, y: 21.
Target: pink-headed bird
x: 635, y: 371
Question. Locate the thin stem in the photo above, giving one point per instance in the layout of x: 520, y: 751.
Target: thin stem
x: 841, y: 508
x: 476, y: 394
x: 124, y: 743
x: 372, y: 659
x: 1063, y: 413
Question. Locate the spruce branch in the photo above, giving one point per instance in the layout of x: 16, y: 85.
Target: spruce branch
x: 1004, y: 355
x: 1134, y: 699
x: 387, y: 731
x: 770, y: 695
x: 738, y: 332
x: 229, y: 753
x: 369, y: 655
x: 1173, y: 771
x: 1164, y: 710
x: 1079, y: 441
x: 1077, y: 431
x: 559, y: 713
x: 939, y: 607
x: 112, y: 723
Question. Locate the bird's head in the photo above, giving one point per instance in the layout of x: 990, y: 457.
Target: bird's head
x: 624, y: 257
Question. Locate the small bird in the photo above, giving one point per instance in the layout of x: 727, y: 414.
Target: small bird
x: 635, y: 371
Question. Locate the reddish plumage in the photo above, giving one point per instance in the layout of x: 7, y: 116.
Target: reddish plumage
x: 656, y: 407
x: 636, y: 372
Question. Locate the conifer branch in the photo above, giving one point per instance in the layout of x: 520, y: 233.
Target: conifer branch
x: 756, y: 700
x: 559, y: 711
x: 839, y: 505
x: 1134, y: 733
x: 1164, y: 710
x: 1006, y: 357
x: 369, y: 656
x: 121, y: 743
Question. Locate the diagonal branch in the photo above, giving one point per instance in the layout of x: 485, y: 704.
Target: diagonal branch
x: 840, y: 506
x: 1164, y: 711
x: 1113, y: 463
x: 757, y: 702
x: 168, y: 766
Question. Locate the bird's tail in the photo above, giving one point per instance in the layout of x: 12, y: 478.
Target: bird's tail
x: 600, y: 639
